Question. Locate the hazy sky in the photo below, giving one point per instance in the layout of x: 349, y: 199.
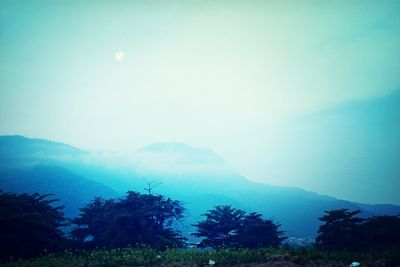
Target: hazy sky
x: 234, y: 76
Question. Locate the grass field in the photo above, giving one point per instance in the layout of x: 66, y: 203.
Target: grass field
x: 226, y: 257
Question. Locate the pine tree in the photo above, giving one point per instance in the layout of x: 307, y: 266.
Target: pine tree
x: 340, y: 231
x: 29, y: 225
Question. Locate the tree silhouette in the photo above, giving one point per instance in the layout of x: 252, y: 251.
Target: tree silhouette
x: 340, y: 231
x: 225, y: 226
x: 381, y: 232
x: 257, y: 233
x: 29, y: 225
x: 220, y: 227
x: 138, y: 219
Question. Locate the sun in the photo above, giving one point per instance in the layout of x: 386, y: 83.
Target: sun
x: 119, y: 56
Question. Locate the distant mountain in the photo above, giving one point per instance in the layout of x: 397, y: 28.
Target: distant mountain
x: 41, y: 166
x: 73, y: 190
x: 18, y: 151
x: 197, y: 176
x: 356, y: 144
x: 297, y: 210
x: 181, y: 153
x: 179, y: 164
x: 17, y: 146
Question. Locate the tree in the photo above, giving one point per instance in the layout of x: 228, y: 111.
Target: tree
x: 381, y: 232
x: 29, y: 225
x: 138, y: 219
x: 225, y: 226
x: 220, y: 226
x: 257, y: 233
x: 340, y: 231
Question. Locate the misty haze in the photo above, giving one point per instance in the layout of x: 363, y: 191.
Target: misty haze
x: 194, y: 133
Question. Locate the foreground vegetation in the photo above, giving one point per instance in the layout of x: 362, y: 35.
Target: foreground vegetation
x: 137, y: 231
x: 223, y: 257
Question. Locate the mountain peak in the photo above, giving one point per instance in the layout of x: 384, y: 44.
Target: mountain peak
x: 179, y: 154
x: 168, y: 147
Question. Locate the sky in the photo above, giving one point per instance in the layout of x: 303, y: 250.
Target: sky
x: 253, y: 80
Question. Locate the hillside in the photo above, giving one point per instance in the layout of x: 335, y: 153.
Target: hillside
x: 73, y: 190
x: 41, y: 166
x: 297, y: 210
x: 197, y: 176
x: 347, y: 150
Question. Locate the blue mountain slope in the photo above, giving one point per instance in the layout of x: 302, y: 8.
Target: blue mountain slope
x: 19, y: 151
x: 41, y: 166
x: 297, y: 210
x: 73, y: 190
x: 348, y: 150
x: 197, y: 176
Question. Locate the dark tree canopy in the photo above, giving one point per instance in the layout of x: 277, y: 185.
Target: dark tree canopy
x: 220, y: 226
x: 381, y: 232
x: 138, y: 219
x: 225, y: 226
x: 343, y: 231
x: 257, y: 232
x: 29, y: 225
x: 340, y: 231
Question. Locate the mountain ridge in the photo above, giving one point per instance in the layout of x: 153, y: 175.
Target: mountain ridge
x: 296, y: 209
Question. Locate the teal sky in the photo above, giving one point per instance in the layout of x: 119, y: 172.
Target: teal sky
x: 240, y: 77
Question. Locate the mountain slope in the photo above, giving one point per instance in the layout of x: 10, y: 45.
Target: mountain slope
x: 41, y: 166
x: 18, y: 152
x: 197, y: 176
x: 73, y: 190
x: 348, y: 150
x: 297, y: 210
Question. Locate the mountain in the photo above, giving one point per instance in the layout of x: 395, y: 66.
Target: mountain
x: 181, y: 153
x: 73, y: 190
x: 186, y: 178
x: 197, y: 176
x: 356, y: 144
x: 19, y: 151
x: 41, y: 166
